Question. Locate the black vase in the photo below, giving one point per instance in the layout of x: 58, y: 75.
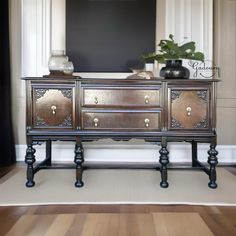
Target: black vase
x: 174, y: 70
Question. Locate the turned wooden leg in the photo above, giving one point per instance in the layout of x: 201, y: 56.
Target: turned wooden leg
x: 79, y: 159
x: 48, y: 153
x: 164, y: 160
x: 29, y: 160
x: 194, y: 154
x: 212, y: 160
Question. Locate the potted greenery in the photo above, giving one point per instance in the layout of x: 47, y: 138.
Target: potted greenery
x: 171, y: 53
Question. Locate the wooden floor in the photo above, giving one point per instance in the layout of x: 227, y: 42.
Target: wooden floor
x: 109, y: 224
x: 121, y: 220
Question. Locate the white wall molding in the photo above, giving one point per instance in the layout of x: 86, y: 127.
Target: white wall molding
x: 191, y: 20
x: 36, y: 36
x: 99, y: 152
x: 208, y: 28
x: 58, y: 25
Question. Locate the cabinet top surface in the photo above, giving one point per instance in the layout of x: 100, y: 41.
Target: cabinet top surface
x: 124, y: 80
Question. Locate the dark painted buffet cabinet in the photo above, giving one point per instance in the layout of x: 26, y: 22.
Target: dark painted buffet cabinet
x: 157, y: 110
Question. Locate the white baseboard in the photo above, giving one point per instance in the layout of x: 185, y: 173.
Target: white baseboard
x: 130, y: 152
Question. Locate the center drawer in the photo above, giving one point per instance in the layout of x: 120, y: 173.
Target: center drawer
x: 121, y: 97
x: 121, y: 120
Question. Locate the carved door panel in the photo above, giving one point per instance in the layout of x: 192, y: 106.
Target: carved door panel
x: 188, y: 108
x: 53, y: 107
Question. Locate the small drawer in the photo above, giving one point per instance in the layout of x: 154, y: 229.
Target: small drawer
x: 121, y: 97
x: 121, y: 120
x: 53, y: 108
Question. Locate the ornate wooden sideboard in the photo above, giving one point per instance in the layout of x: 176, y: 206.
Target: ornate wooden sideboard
x: 158, y: 110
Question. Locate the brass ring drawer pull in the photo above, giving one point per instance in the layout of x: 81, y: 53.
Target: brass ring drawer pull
x: 146, y: 99
x: 146, y: 121
x: 53, y: 108
x: 188, y: 109
x: 96, y: 100
x: 95, y: 120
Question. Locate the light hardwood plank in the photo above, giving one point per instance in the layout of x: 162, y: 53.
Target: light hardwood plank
x: 60, y: 225
x: 180, y: 224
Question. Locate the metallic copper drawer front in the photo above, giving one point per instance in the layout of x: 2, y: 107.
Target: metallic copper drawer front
x: 121, y: 97
x: 189, y: 109
x: 53, y: 108
x: 121, y: 120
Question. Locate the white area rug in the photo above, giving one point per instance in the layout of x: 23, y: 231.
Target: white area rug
x: 117, y: 186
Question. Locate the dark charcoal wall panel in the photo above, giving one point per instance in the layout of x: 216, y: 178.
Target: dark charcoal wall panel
x: 109, y: 35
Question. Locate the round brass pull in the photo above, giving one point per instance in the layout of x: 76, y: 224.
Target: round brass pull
x: 95, y: 120
x: 53, y: 108
x: 188, y: 109
x: 96, y: 100
x: 146, y: 121
x: 146, y: 99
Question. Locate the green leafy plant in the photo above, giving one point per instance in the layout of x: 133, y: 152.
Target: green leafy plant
x: 170, y: 50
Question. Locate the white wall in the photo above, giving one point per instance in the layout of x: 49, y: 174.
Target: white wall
x: 225, y: 58
x: 18, y: 86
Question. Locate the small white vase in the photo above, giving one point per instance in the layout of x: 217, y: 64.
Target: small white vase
x: 57, y: 60
x: 68, y: 68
